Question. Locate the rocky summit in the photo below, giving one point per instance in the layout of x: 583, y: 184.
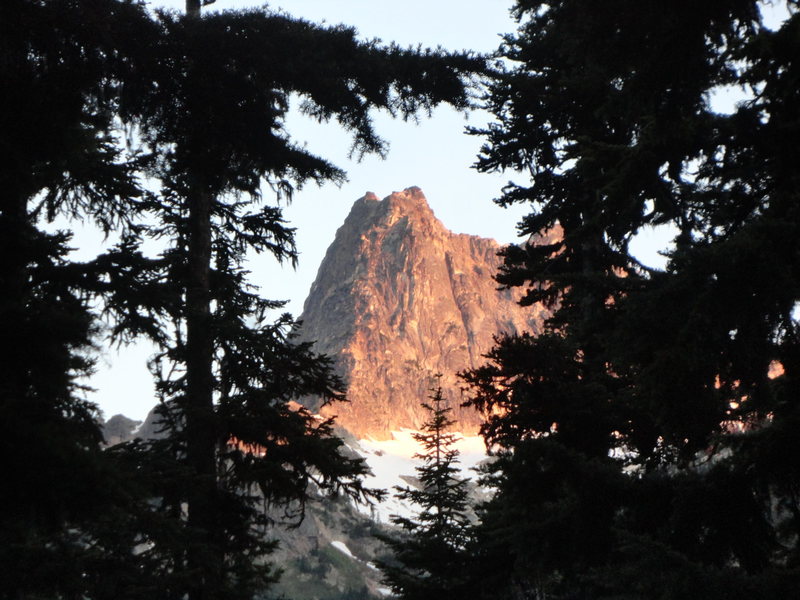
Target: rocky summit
x: 398, y: 299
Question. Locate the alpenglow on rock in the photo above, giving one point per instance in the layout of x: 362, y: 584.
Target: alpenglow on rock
x: 398, y: 299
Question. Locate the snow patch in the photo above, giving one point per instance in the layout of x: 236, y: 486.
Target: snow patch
x: 342, y: 547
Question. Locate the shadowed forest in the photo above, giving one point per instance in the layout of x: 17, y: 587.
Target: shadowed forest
x: 643, y: 447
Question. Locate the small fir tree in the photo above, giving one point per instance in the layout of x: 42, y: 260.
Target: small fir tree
x: 429, y: 553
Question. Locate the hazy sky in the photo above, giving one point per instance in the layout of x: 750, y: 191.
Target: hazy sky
x: 434, y: 155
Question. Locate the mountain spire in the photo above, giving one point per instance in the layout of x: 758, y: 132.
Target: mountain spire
x: 399, y: 298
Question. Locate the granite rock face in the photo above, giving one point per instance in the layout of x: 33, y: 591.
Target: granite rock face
x: 398, y: 299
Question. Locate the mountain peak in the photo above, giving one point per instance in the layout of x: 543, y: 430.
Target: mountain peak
x: 412, y: 193
x: 410, y: 200
x: 398, y: 299
x: 411, y: 196
x: 370, y: 197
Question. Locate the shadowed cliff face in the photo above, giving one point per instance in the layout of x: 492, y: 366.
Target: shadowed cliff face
x: 399, y: 298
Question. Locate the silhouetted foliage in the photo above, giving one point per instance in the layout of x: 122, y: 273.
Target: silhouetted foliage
x: 61, y: 63
x: 98, y: 95
x: 639, y: 425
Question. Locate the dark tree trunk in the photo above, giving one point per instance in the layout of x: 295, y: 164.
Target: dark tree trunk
x: 14, y: 253
x: 205, y: 558
x: 199, y: 410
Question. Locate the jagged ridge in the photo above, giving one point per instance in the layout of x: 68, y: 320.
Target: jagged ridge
x: 398, y: 299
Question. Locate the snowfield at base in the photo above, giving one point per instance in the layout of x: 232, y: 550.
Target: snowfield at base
x: 391, y: 460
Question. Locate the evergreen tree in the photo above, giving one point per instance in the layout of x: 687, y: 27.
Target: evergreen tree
x: 630, y: 430
x: 61, y: 73
x: 207, y: 98
x: 429, y: 554
x: 209, y: 105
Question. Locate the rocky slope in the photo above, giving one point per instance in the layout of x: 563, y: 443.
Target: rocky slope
x: 398, y: 299
x: 118, y: 429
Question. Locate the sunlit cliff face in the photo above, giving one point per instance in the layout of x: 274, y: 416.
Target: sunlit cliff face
x: 400, y: 298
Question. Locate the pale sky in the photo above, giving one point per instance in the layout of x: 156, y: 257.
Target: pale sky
x: 434, y: 155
